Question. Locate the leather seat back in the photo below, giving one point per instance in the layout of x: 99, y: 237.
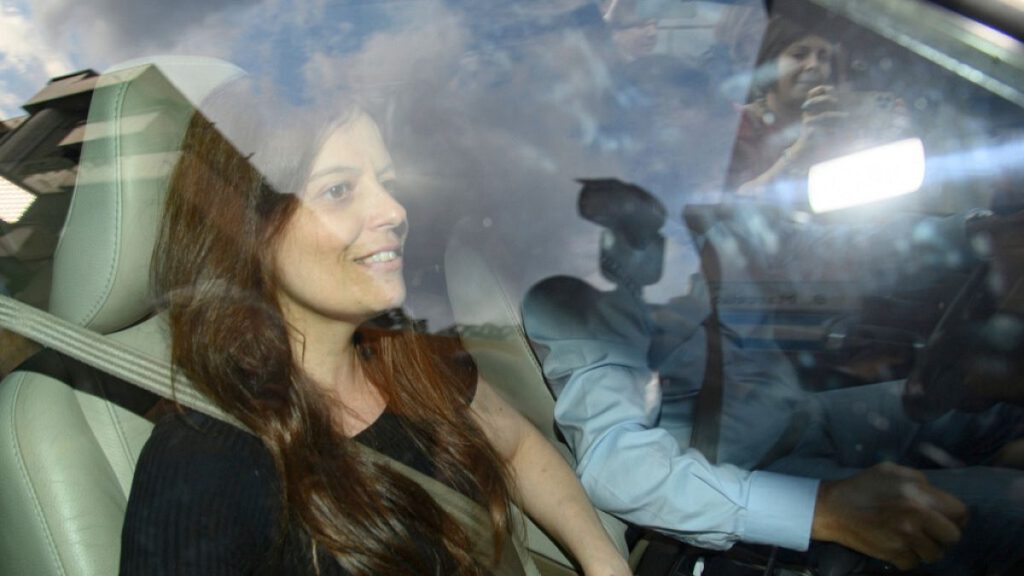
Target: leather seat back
x: 67, y: 455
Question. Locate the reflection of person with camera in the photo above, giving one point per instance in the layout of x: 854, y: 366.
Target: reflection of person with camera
x: 795, y: 118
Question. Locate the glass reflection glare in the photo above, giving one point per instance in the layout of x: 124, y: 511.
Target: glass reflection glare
x: 871, y: 175
x: 14, y: 201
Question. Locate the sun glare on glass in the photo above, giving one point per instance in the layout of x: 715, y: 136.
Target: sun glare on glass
x: 14, y: 201
x: 867, y: 176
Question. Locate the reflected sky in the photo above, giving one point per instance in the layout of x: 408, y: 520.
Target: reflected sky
x: 492, y: 109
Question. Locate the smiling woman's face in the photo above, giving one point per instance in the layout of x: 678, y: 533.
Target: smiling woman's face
x: 340, y: 255
x: 803, y: 65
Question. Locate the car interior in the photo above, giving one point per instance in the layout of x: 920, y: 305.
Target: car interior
x: 70, y: 435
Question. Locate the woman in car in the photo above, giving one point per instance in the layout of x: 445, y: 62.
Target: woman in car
x: 281, y: 239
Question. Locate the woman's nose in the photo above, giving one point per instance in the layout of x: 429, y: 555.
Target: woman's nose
x: 386, y: 210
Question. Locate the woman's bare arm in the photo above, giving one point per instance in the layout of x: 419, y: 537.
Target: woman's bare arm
x: 548, y: 490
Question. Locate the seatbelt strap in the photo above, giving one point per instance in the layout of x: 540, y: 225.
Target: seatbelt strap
x: 105, y: 354
x: 471, y: 517
x: 108, y: 355
x: 81, y: 376
x: 708, y: 411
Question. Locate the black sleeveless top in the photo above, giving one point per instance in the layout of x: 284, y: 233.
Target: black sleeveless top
x: 205, y: 500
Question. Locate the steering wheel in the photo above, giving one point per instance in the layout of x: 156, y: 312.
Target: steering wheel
x: 975, y: 355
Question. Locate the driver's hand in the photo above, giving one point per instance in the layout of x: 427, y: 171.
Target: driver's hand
x: 889, y: 512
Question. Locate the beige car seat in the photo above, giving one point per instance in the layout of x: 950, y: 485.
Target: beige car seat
x: 67, y: 456
x: 490, y: 320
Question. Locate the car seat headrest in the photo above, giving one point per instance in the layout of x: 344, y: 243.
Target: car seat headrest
x: 137, y: 119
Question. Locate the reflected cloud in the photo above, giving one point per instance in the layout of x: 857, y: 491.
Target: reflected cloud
x: 112, y: 30
x: 492, y: 110
x: 27, y: 60
x: 418, y: 47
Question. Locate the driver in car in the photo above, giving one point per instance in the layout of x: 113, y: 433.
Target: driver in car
x: 844, y: 466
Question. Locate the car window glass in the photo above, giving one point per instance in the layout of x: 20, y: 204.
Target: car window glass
x: 499, y: 115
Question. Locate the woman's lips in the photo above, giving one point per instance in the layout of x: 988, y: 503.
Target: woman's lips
x: 384, y: 260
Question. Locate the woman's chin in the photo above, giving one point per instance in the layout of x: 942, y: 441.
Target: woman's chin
x: 392, y: 300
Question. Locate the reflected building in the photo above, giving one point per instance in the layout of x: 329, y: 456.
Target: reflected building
x: 39, y: 155
x: 42, y: 162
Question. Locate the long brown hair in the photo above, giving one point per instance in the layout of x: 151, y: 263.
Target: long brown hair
x: 212, y: 267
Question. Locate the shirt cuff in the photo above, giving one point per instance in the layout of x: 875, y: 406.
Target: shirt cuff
x: 780, y: 510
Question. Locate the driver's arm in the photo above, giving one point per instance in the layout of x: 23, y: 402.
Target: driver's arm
x: 636, y: 470
x: 608, y: 407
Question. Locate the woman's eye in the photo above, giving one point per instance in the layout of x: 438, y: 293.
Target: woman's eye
x: 390, y: 185
x: 338, y: 191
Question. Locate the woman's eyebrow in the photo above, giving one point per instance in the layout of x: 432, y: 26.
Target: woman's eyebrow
x: 387, y: 170
x: 346, y: 170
